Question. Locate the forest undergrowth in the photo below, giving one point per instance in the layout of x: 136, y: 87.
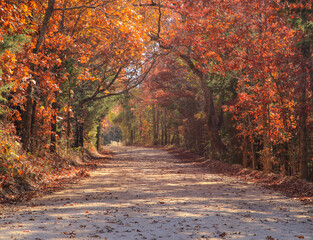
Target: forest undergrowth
x: 24, y: 176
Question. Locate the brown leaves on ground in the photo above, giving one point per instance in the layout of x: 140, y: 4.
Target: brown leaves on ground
x: 287, y: 185
x: 64, y: 172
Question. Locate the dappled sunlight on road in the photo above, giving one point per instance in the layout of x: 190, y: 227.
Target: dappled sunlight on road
x: 147, y: 194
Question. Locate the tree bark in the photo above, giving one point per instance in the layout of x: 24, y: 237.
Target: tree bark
x: 27, y: 119
x: 217, y: 145
x: 244, y: 152
x: 216, y: 142
x: 158, y: 124
x: 254, y: 163
x: 53, y: 137
x: 266, y: 152
x: 27, y: 115
x: 162, y: 129
x: 177, y: 141
x: 131, y: 141
x: 76, y: 142
x: 304, y: 172
x: 61, y: 27
x: 155, y: 134
x: 303, y: 164
x: 81, y: 135
x: 68, y: 130
x: 98, y: 143
x: 44, y: 26
x: 165, y: 127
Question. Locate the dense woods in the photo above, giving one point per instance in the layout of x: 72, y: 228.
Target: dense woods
x: 235, y: 84
x: 229, y: 79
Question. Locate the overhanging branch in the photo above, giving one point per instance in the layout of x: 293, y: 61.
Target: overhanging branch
x: 127, y: 89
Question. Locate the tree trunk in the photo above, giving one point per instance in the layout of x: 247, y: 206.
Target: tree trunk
x: 27, y: 115
x: 217, y: 145
x: 53, y: 137
x: 177, y: 141
x: 254, y: 163
x: 131, y: 141
x: 304, y: 171
x: 165, y: 127
x: 267, y: 152
x: 27, y: 119
x: 244, y: 152
x: 53, y: 131
x: 77, y: 133
x: 303, y: 164
x: 155, y: 133
x: 61, y: 27
x: 158, y: 125
x: 162, y: 129
x: 98, y: 137
x: 293, y: 157
x: 68, y: 130
x: 44, y: 26
x: 81, y: 135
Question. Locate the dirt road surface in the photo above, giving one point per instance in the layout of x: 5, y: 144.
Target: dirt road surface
x: 146, y: 193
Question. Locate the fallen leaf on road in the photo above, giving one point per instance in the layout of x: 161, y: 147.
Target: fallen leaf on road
x: 270, y: 238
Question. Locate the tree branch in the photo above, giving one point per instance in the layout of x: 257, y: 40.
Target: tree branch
x: 115, y: 77
x: 152, y: 4
x: 44, y: 25
x: 159, y: 21
x: 98, y: 91
x: 142, y: 78
x: 79, y: 7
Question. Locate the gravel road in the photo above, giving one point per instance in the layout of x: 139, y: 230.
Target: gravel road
x: 146, y: 193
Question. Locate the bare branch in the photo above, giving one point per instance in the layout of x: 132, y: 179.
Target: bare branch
x: 189, y: 62
x: 127, y: 89
x: 77, y: 20
x: 115, y: 77
x: 78, y: 7
x: 61, y: 27
x: 44, y: 25
x: 152, y: 4
x: 99, y: 90
x: 159, y: 21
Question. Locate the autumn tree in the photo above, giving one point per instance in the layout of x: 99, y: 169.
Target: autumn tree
x: 220, y: 77
x: 97, y: 46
